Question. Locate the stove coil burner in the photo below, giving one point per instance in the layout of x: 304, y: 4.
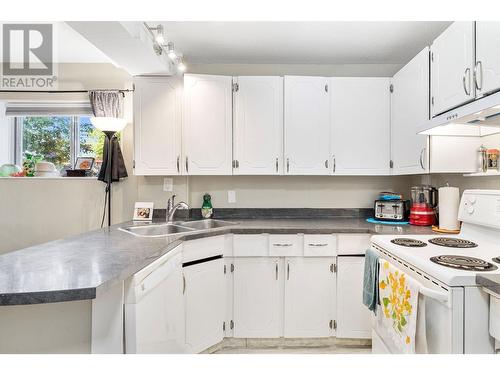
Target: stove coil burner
x: 496, y: 260
x: 408, y: 242
x: 452, y: 242
x: 463, y: 263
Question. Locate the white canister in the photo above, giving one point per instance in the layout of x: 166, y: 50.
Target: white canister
x: 449, y: 202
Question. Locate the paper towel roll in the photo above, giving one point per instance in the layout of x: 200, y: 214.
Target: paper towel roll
x: 449, y: 201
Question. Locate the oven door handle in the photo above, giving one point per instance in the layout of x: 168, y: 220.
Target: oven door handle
x: 434, y: 294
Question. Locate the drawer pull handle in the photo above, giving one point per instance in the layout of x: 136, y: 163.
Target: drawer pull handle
x: 317, y: 244
x: 282, y: 244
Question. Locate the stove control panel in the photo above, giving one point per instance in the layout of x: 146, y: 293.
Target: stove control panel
x: 480, y: 207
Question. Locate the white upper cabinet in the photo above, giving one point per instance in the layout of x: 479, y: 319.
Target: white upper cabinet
x: 410, y: 108
x: 487, y: 57
x: 360, y: 112
x: 452, y: 67
x: 307, y: 126
x: 258, y: 125
x: 207, y: 125
x: 309, y: 297
x: 157, y: 125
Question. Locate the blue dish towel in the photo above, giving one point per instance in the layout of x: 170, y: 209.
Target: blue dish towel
x: 370, y: 280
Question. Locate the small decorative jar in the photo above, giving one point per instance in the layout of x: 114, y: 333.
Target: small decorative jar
x: 206, y: 207
x: 493, y: 158
x: 29, y: 165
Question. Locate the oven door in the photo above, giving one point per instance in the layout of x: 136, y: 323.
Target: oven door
x: 439, y: 320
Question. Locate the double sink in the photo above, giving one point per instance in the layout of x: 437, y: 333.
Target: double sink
x: 167, y: 229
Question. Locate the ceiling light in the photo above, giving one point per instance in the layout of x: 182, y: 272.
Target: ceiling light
x: 181, y: 67
x: 160, y: 38
x: 171, y: 52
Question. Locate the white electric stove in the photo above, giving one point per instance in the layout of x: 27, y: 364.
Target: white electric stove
x: 445, y: 266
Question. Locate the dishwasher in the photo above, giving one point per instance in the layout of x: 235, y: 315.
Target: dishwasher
x: 154, y: 314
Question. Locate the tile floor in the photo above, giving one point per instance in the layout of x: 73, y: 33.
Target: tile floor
x: 298, y: 350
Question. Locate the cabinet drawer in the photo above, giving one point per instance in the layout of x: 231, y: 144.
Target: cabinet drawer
x: 203, y: 248
x: 353, y: 244
x: 281, y: 245
x: 250, y: 245
x: 320, y: 245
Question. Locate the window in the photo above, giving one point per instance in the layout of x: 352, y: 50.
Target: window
x: 57, y: 139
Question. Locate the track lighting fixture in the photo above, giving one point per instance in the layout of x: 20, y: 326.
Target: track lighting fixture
x: 160, y: 46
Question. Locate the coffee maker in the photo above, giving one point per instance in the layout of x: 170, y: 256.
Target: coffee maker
x: 423, y: 205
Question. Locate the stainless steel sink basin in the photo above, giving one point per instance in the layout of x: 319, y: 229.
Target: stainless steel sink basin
x: 206, y: 224
x: 167, y: 229
x: 156, y: 230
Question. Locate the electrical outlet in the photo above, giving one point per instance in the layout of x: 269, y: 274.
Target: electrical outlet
x: 168, y: 184
x: 231, y: 196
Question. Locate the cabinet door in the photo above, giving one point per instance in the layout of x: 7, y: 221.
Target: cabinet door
x: 258, y: 125
x: 309, y: 297
x: 487, y: 57
x: 452, y: 62
x: 353, y: 318
x: 410, y: 108
x: 157, y: 125
x: 307, y: 126
x: 258, y: 297
x: 454, y: 154
x: 204, y: 298
x: 361, y: 125
x: 228, y: 281
x: 207, y: 125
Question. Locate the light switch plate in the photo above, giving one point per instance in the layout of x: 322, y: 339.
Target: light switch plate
x: 231, y: 196
x: 168, y: 184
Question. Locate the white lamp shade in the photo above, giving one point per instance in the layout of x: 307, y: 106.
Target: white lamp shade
x: 114, y: 124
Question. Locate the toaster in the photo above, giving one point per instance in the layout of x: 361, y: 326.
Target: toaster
x: 392, y: 210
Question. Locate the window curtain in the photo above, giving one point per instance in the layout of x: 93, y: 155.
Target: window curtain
x: 109, y: 104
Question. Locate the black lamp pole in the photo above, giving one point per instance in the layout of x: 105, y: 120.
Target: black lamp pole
x: 109, y: 137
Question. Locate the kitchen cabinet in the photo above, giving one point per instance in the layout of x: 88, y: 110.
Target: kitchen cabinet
x: 409, y: 109
x: 309, y: 297
x: 229, y: 300
x: 157, y: 125
x: 207, y: 125
x: 487, y: 68
x: 360, y: 120
x: 258, y: 125
x: 452, y: 67
x: 204, y: 300
x: 154, y: 309
x: 353, y: 318
x: 454, y: 154
x: 307, y: 126
x: 258, y: 297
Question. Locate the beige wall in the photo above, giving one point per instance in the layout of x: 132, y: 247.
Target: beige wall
x: 34, y: 211
x: 274, y: 191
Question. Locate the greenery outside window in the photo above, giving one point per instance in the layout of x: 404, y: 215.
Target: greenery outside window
x: 57, y: 139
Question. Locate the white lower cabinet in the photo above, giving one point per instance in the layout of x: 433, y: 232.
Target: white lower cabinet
x: 204, y: 301
x: 309, y: 297
x: 258, y: 297
x: 353, y: 318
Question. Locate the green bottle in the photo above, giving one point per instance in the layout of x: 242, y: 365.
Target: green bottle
x: 206, y: 207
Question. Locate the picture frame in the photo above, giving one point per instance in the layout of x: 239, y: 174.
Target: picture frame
x: 84, y: 163
x: 143, y: 211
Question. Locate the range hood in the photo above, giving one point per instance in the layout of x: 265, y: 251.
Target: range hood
x: 476, y: 119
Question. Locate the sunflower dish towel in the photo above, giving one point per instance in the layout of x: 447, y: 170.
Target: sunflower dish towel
x: 398, y: 299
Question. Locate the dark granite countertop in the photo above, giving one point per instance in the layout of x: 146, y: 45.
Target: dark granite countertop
x: 489, y: 282
x: 72, y: 268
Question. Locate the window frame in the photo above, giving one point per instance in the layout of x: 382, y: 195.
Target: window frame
x: 74, y: 138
